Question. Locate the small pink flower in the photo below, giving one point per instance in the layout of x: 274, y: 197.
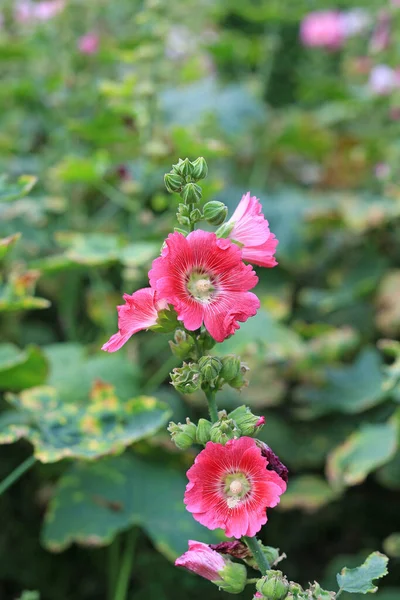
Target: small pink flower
x: 206, y: 281
x: 323, y: 28
x: 203, y: 561
x: 383, y: 80
x: 27, y: 11
x: 89, y: 43
x: 251, y: 230
x: 140, y: 311
x: 230, y: 487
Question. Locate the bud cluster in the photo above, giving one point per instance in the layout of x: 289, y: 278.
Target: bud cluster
x: 275, y: 586
x: 184, y: 435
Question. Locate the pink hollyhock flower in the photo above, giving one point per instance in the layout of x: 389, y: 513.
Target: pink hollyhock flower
x: 206, y: 281
x: 230, y: 487
x: 207, y: 563
x: 89, y: 43
x: 323, y: 28
x: 251, y: 231
x: 140, y: 311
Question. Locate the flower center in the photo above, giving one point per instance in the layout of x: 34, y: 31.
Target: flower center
x: 236, y: 488
x: 200, y: 286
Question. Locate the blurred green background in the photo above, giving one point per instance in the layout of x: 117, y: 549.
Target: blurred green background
x: 98, y: 99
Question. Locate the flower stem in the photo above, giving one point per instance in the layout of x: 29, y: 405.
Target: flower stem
x: 257, y: 553
x: 212, y: 404
x: 17, y: 473
x: 126, y: 566
x: 113, y: 561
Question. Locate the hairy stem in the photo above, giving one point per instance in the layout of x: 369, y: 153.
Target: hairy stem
x: 212, y: 404
x: 16, y: 474
x: 257, y: 553
x: 126, y: 566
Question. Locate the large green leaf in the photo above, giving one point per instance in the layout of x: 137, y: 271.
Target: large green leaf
x: 360, y: 580
x: 20, y: 369
x: 347, y: 389
x: 94, y: 502
x: 363, y: 452
x: 307, y: 492
x: 104, y: 425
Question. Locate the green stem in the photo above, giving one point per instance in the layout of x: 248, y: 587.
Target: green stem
x: 339, y: 592
x: 251, y: 581
x: 257, y: 553
x: 126, y: 566
x: 16, y: 474
x: 113, y: 561
x: 212, y: 404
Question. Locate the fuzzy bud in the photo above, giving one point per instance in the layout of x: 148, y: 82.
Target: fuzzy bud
x: 215, y: 212
x: 239, y: 382
x: 186, y: 379
x: 274, y: 585
x: 248, y: 423
x: 183, y: 168
x: 203, y: 431
x: 200, y: 169
x: 183, y: 344
x: 191, y: 193
x: 210, y: 367
x: 183, y: 436
x: 173, y: 182
x: 230, y: 368
x: 224, y: 430
x: 233, y: 578
x: 195, y: 215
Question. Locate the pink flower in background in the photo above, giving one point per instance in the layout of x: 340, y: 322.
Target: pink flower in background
x: 89, y: 43
x: 27, y: 11
x: 140, y: 311
x: 251, y: 230
x: 322, y: 28
x: 383, y: 80
x: 230, y: 487
x: 206, y: 281
x: 202, y: 560
x: 381, y: 34
x: 382, y: 171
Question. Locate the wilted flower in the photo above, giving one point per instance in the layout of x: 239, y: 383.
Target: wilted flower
x: 230, y: 487
x: 89, y: 43
x: 206, y: 281
x: 250, y: 228
x: 207, y: 563
x: 140, y: 311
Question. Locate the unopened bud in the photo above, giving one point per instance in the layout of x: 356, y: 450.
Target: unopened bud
x: 186, y: 379
x: 191, y: 193
x: 210, y: 367
x: 183, y: 344
x: 215, y: 212
x: 274, y: 585
x: 203, y: 431
x: 233, y: 578
x: 200, y: 169
x: 183, y: 436
x: 224, y: 430
x: 239, y: 382
x: 248, y: 423
x: 195, y: 215
x: 230, y: 367
x: 173, y: 182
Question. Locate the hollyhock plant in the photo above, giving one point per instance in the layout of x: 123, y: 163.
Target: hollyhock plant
x: 230, y: 487
x: 139, y: 312
x: 206, y: 281
x: 250, y: 229
x: 215, y: 567
x: 323, y: 28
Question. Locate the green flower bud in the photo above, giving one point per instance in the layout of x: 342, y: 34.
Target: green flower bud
x: 195, y: 215
x: 186, y: 379
x: 183, y: 436
x: 183, y: 344
x: 203, y: 431
x: 224, y: 230
x: 271, y: 554
x: 186, y: 168
x: 239, y: 382
x: 274, y: 585
x: 191, y: 193
x: 200, y: 169
x: 233, y: 578
x: 224, y: 430
x: 319, y: 594
x: 215, y: 212
x: 295, y: 589
x: 248, y: 423
x: 183, y: 220
x: 173, y: 182
x: 210, y: 367
x: 230, y: 367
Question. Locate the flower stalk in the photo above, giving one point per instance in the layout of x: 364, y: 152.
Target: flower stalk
x: 257, y: 553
